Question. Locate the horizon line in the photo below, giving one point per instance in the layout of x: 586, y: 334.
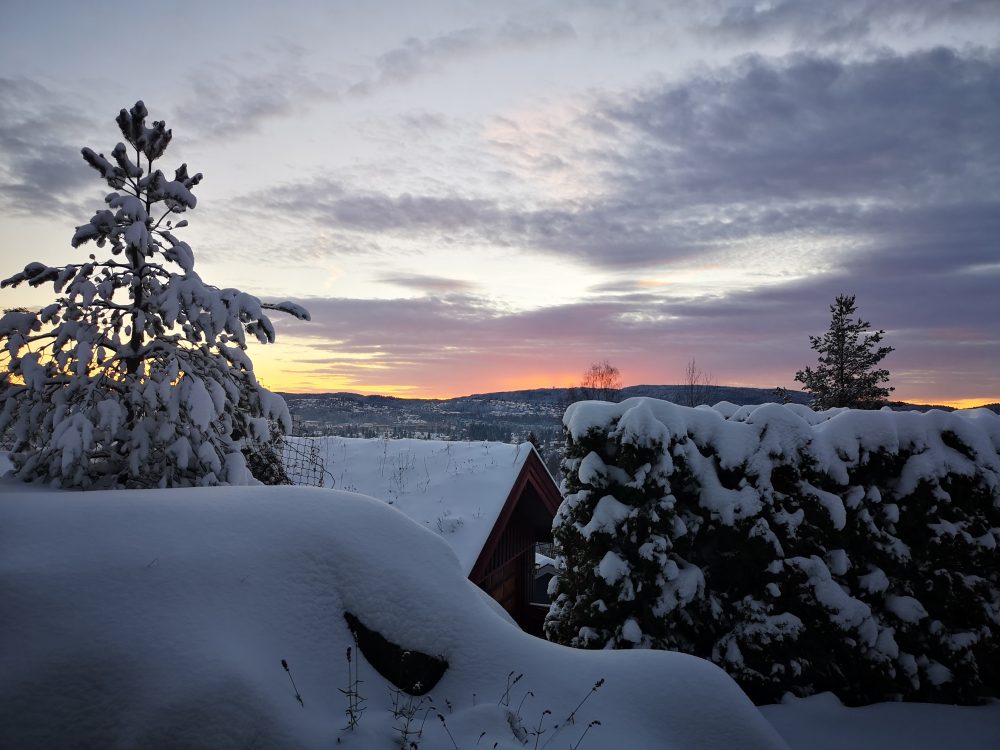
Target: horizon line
x: 963, y: 403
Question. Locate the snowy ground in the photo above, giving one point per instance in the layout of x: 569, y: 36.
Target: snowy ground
x: 822, y: 723
x: 160, y: 618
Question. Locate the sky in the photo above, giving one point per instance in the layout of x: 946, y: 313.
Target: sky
x: 471, y: 196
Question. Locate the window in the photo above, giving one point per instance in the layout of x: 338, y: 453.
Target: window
x: 544, y: 569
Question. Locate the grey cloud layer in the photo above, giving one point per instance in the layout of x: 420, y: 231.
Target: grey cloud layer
x: 785, y: 315
x: 429, y: 284
x: 845, y: 21
x: 42, y: 171
x: 898, y: 156
x: 227, y: 99
x: 415, y: 57
x: 806, y: 128
x: 888, y: 153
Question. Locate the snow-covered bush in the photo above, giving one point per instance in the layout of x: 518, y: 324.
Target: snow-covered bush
x: 849, y: 551
x: 137, y: 375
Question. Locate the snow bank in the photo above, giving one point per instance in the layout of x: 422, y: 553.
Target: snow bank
x: 159, y: 618
x: 823, y: 723
x: 853, y: 551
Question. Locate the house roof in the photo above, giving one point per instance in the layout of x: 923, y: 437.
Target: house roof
x: 456, y: 489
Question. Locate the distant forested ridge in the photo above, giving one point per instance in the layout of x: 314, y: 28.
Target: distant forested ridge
x: 509, y: 416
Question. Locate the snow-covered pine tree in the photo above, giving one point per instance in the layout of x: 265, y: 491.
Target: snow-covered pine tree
x: 137, y: 375
x: 847, y: 373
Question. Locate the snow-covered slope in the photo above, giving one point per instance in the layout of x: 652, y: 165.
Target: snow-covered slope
x: 454, y: 488
x: 159, y: 618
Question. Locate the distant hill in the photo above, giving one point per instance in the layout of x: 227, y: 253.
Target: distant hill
x: 676, y: 393
x: 560, y: 397
x: 714, y: 394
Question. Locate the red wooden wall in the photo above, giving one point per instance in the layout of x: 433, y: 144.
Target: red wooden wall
x: 506, y: 566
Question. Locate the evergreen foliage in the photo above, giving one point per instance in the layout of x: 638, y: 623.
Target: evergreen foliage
x: 847, y: 373
x: 846, y: 551
x: 137, y: 375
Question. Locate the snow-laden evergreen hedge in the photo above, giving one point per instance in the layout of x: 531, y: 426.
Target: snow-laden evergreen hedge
x: 850, y: 551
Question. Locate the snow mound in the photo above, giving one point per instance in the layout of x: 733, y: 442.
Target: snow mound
x: 159, y: 618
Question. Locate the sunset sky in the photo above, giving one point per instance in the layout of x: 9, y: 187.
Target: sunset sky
x: 474, y: 196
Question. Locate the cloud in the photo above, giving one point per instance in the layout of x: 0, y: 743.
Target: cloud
x: 436, y: 344
x: 425, y: 123
x: 229, y: 99
x: 754, y: 336
x: 897, y: 158
x: 416, y: 57
x: 42, y: 173
x: 430, y: 284
x: 807, y: 128
x: 844, y: 22
x: 377, y: 212
x: 878, y: 177
x: 603, y: 234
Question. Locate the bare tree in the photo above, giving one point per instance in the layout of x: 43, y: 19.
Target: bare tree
x: 697, y: 385
x: 601, y: 382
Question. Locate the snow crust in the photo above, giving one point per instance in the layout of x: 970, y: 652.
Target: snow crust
x: 159, y: 618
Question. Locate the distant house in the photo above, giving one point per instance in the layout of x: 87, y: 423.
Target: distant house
x: 492, y: 502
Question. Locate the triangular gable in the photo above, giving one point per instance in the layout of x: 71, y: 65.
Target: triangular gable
x: 533, y: 480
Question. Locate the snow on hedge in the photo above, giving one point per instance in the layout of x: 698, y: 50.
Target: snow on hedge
x: 846, y: 551
x: 159, y: 618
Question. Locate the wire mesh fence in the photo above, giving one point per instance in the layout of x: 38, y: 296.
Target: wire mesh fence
x: 303, y: 461
x: 288, y: 459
